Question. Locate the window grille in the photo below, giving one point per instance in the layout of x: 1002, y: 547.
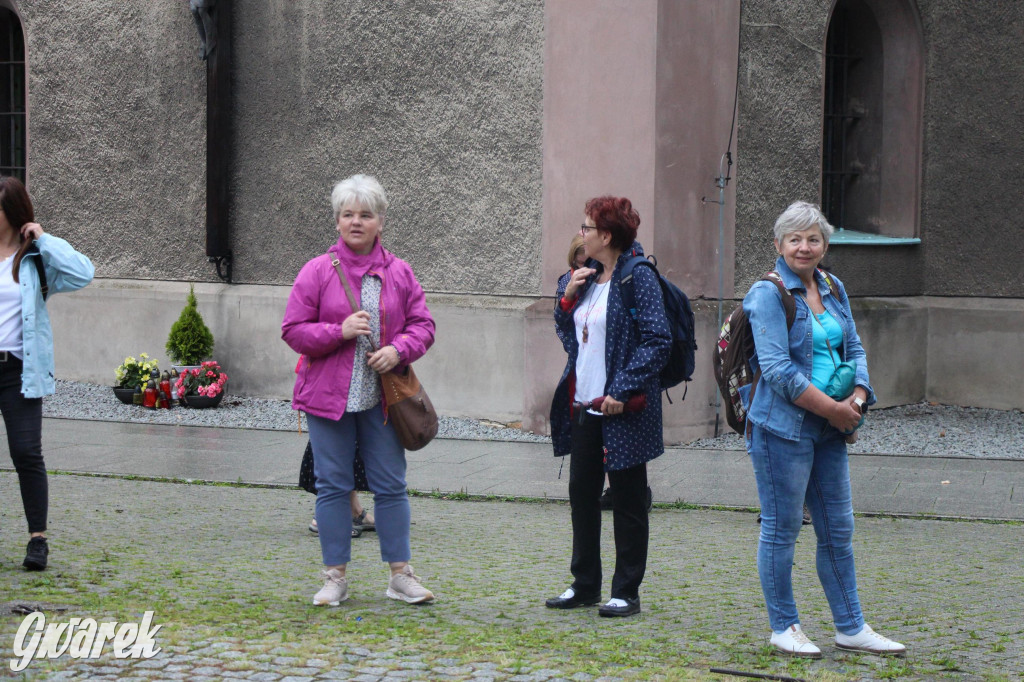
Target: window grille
x: 12, y: 96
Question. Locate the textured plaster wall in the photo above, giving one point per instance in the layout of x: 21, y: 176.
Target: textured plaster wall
x: 440, y: 99
x: 778, y: 139
x: 973, y: 146
x: 117, y: 110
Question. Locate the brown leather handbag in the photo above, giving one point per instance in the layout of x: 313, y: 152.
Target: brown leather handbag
x: 407, y: 404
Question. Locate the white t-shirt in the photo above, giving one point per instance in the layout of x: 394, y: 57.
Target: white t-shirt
x: 591, y: 315
x: 10, y: 309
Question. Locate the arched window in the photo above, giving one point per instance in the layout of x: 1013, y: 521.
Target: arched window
x: 12, y: 95
x: 871, y: 148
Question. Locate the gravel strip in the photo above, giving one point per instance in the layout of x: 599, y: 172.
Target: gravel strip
x: 924, y: 429
x: 918, y: 429
x: 76, y: 400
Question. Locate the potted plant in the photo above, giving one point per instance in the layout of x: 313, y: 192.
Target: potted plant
x: 202, y: 386
x: 132, y: 374
x: 190, y: 341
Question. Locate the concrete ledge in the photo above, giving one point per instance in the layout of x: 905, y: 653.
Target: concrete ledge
x: 975, y: 352
x: 498, y: 357
x: 473, y: 370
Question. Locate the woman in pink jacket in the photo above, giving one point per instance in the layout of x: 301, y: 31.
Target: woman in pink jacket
x: 337, y: 382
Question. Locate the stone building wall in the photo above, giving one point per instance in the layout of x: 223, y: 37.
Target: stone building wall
x: 973, y: 146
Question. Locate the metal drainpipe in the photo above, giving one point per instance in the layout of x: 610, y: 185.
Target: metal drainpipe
x: 218, y: 144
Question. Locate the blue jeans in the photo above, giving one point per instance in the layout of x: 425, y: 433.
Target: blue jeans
x: 334, y: 449
x: 815, y: 471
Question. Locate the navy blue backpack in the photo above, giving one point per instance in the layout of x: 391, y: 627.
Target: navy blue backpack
x: 681, y: 361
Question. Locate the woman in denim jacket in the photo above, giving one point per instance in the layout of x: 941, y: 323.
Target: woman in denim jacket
x: 28, y: 257
x: 796, y: 434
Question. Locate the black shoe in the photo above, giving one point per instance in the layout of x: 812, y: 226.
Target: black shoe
x: 35, y: 554
x: 606, y: 499
x: 571, y: 602
x: 650, y: 499
x: 631, y: 608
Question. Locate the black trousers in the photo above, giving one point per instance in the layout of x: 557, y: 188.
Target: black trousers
x: 629, y: 515
x: 23, y: 418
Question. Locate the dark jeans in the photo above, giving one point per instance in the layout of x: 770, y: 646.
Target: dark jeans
x: 23, y: 418
x: 629, y: 515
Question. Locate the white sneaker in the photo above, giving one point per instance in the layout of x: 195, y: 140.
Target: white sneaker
x: 334, y: 591
x: 870, y: 642
x: 313, y: 527
x: 405, y: 586
x: 793, y: 642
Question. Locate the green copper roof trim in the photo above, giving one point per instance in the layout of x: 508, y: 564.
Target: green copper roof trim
x: 841, y: 236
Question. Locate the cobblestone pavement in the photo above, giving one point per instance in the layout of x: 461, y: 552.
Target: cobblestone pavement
x: 230, y: 572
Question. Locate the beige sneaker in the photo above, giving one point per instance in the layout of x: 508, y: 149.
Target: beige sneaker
x: 793, y: 642
x: 870, y: 642
x: 406, y: 587
x: 334, y: 591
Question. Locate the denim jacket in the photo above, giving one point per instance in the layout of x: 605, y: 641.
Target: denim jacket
x: 785, y: 358
x: 66, y: 270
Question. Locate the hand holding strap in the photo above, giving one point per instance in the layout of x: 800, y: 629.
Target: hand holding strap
x: 348, y: 292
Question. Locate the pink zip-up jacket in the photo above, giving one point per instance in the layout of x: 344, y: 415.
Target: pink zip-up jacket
x: 317, y: 307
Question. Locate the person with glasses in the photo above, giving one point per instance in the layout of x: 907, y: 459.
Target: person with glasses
x: 606, y: 411
x: 577, y: 259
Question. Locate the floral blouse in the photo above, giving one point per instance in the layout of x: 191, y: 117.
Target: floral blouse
x: 364, y: 390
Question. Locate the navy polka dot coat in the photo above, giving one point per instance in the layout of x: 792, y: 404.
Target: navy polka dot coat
x: 635, y: 352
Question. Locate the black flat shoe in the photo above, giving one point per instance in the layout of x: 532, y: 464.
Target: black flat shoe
x: 35, y: 554
x: 631, y: 608
x: 571, y: 602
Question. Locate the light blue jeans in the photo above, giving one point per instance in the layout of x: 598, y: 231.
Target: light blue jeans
x: 815, y: 471
x: 334, y: 448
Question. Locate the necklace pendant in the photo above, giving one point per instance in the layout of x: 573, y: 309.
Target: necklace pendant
x: 585, y: 333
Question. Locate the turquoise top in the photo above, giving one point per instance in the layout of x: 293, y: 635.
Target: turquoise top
x: 823, y: 362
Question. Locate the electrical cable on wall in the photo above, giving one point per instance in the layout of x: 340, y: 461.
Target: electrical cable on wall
x: 723, y: 178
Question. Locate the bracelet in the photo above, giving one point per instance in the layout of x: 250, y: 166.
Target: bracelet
x: 401, y: 358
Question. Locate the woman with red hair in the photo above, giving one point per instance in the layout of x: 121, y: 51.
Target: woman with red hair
x: 606, y: 413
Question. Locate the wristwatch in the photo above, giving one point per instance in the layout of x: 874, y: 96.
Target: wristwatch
x: 861, y: 405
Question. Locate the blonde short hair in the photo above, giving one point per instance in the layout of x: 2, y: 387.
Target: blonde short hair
x: 575, y: 245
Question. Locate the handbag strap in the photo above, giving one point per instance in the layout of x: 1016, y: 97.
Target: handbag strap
x: 831, y: 353
x: 348, y: 292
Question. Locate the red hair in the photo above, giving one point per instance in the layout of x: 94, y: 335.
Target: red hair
x: 617, y: 216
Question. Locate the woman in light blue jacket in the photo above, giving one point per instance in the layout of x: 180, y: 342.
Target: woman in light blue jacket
x: 32, y: 264
x: 798, y: 434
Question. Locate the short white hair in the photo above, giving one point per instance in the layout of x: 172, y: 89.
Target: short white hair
x: 360, y: 189
x: 800, y: 216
